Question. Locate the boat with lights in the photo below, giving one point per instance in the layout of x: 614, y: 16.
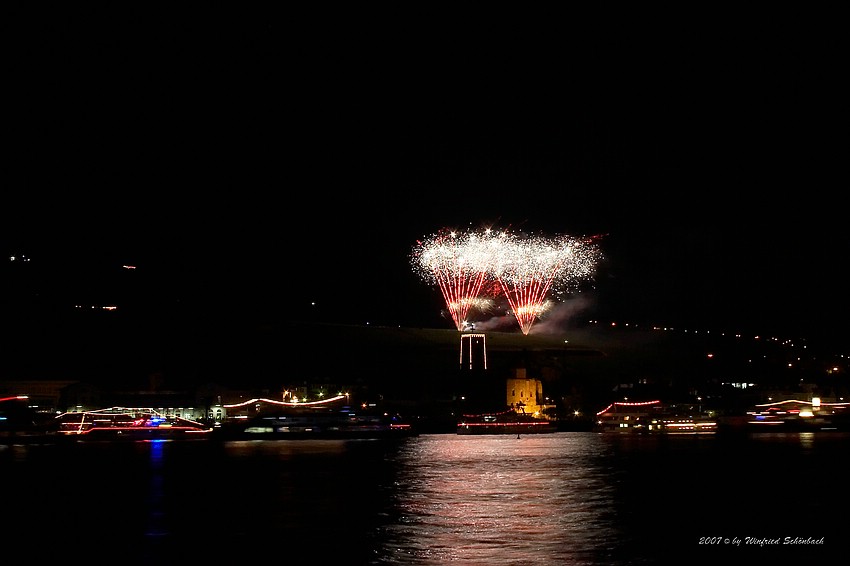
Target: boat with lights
x: 331, y: 418
x: 795, y: 415
x: 504, y: 422
x: 122, y: 423
x: 654, y: 417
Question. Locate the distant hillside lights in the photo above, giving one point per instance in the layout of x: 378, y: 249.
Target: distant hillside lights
x: 25, y: 259
x: 784, y: 342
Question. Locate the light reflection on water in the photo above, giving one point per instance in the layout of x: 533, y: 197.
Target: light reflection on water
x: 565, y: 498
x: 487, y: 499
x: 156, y: 498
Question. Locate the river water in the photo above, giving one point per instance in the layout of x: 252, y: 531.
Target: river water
x: 565, y: 498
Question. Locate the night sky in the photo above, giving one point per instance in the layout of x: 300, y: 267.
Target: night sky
x: 252, y: 163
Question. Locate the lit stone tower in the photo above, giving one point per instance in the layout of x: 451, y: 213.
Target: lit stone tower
x: 473, y: 352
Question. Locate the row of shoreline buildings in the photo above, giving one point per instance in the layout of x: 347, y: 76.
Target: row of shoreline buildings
x: 478, y: 388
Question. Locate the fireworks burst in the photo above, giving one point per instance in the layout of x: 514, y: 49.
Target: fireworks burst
x: 457, y: 262
x: 530, y: 269
x: 527, y: 269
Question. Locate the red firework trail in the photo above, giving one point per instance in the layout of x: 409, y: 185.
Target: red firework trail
x: 526, y: 298
x: 460, y: 289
